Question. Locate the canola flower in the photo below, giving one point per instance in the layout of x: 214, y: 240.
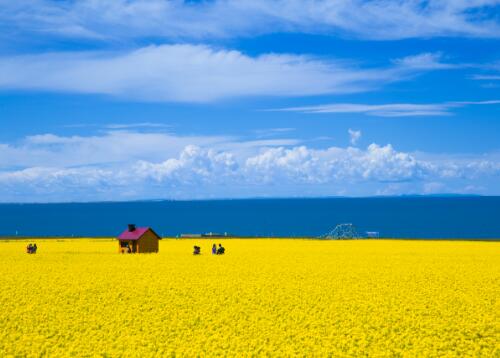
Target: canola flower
x: 264, y: 297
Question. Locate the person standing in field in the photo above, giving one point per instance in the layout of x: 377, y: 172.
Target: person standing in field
x: 221, y: 250
x: 29, y: 248
x: 33, y: 250
x: 214, y: 249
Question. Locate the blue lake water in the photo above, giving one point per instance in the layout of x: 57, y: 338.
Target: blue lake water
x: 403, y: 217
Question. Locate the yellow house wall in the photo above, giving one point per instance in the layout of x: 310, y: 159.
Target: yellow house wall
x: 148, y: 243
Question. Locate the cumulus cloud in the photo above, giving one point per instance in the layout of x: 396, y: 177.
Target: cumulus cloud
x: 194, y: 165
x: 392, y: 109
x: 224, y: 168
x: 193, y: 73
x: 380, y: 20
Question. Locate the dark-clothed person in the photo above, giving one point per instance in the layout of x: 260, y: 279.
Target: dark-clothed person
x: 221, y: 250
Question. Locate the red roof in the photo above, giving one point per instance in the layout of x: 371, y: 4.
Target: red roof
x: 134, y: 235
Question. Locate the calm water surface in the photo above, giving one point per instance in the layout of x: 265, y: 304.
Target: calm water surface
x: 407, y: 217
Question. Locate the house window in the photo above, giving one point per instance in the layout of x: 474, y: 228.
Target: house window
x: 123, y: 244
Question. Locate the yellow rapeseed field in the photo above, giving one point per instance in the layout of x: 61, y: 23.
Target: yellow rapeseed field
x: 264, y: 297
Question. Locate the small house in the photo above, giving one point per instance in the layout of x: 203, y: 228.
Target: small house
x: 138, y: 240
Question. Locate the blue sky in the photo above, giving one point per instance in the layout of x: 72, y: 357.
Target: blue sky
x: 126, y: 100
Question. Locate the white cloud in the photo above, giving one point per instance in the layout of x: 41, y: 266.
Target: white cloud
x: 272, y: 132
x: 181, y: 73
x: 379, y: 110
x: 199, y: 167
x: 478, y: 103
x: 192, y: 73
x: 193, y: 165
x: 110, y: 147
x: 118, y: 147
x: 382, y: 19
x: 354, y: 136
x: 136, y: 125
x: 390, y: 110
x: 486, y: 77
x: 425, y: 61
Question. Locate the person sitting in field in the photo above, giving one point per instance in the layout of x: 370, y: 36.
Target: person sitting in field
x: 221, y: 250
x: 214, y: 249
x: 197, y: 250
x: 33, y: 249
x: 29, y: 249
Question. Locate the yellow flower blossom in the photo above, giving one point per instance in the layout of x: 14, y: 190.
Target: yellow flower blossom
x: 379, y: 298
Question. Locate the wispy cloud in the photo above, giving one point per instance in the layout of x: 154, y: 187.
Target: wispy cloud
x: 486, y: 77
x: 478, y: 103
x: 425, y: 61
x: 196, y: 73
x: 136, y: 125
x: 390, y: 110
x: 272, y: 132
x: 380, y: 20
x: 113, y: 126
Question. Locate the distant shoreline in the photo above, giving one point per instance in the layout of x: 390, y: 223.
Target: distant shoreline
x: 258, y: 198
x: 65, y: 238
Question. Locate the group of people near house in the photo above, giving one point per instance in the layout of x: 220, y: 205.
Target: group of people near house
x: 215, y: 251
x: 31, y: 248
x: 126, y: 249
